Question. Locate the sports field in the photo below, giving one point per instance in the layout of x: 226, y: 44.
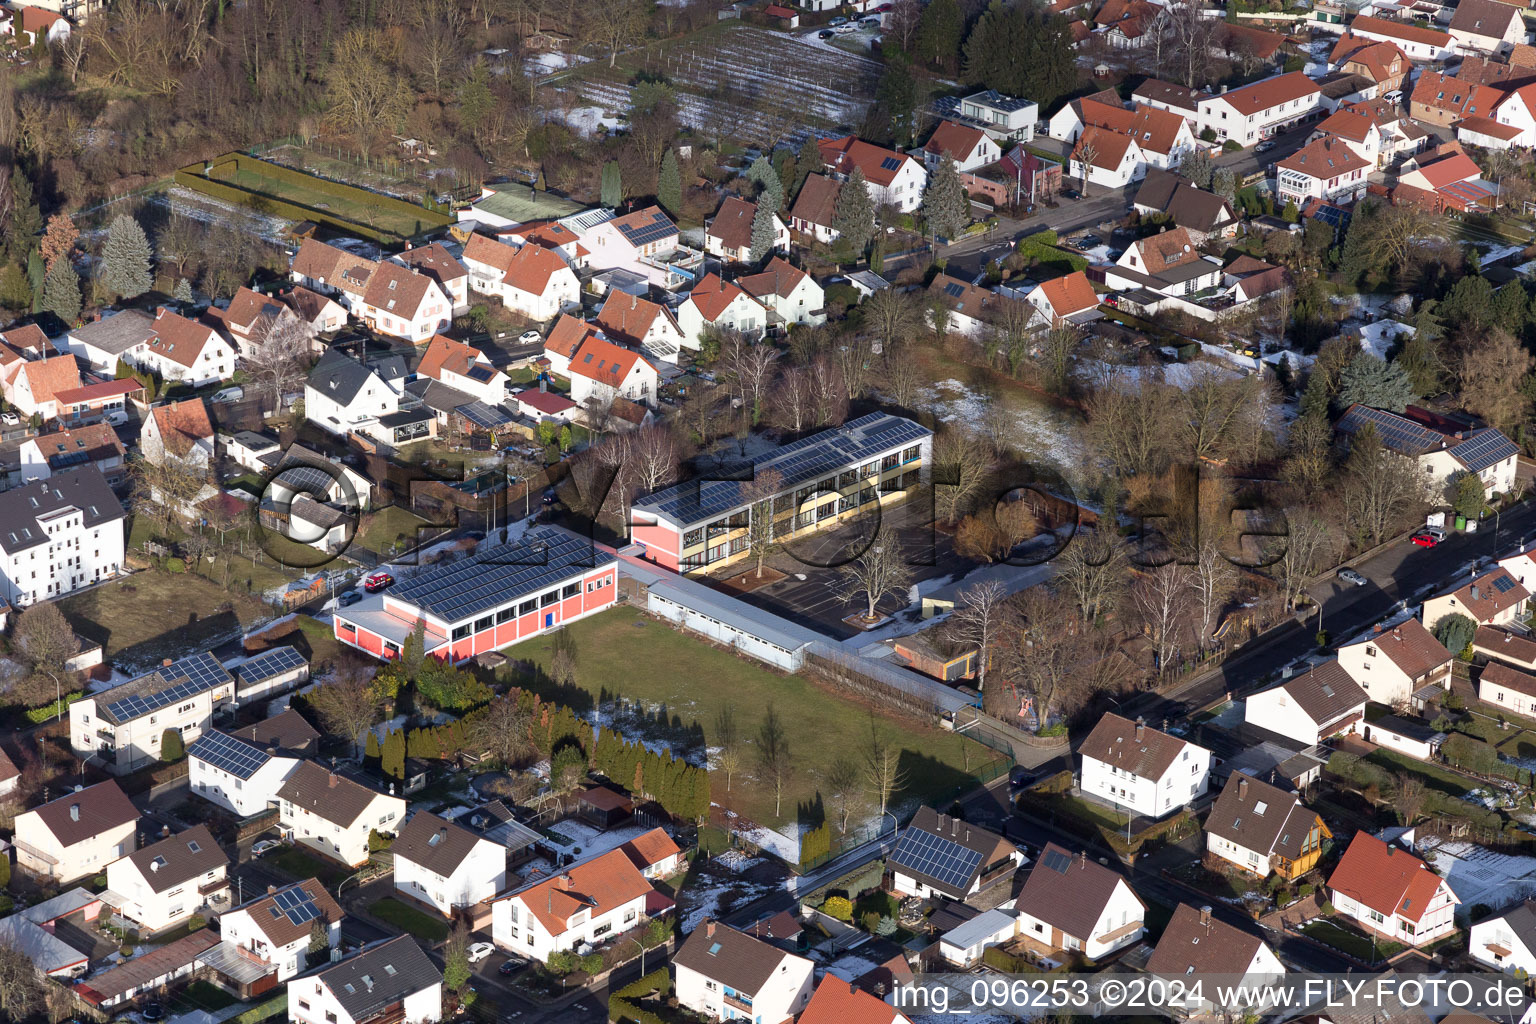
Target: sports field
x: 383, y: 216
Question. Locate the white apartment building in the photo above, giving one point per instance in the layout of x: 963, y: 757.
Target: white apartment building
x: 1141, y: 768
x: 78, y: 834
x: 587, y: 902
x: 446, y: 866
x: 724, y: 974
x: 1255, y: 112
x: 123, y: 728
x: 343, y: 393
x: 58, y: 535
x: 275, y: 928
x: 237, y: 775
x: 389, y: 981
x: 333, y: 815
x: 1392, y: 664
x: 160, y: 886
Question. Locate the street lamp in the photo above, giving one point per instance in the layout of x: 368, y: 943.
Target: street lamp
x: 895, y: 825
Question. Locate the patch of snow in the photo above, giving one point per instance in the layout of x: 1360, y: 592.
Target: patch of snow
x: 593, y: 841
x: 586, y: 121
x: 1477, y: 874
x: 1049, y: 434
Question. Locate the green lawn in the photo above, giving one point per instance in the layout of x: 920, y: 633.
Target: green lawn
x: 1434, y: 776
x: 154, y: 614
x: 409, y: 919
x: 624, y: 653
x: 1350, y: 942
x: 380, y: 217
x: 300, y: 864
x: 384, y: 526
x: 203, y: 995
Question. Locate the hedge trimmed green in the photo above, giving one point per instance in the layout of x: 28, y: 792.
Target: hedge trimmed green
x: 621, y: 1006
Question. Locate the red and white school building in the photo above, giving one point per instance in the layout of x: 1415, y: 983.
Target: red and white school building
x: 818, y: 481
x: 503, y: 594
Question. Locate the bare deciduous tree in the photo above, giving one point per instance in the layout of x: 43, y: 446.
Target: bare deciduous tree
x: 961, y: 461
x: 278, y: 364
x: 504, y: 729
x: 21, y: 987
x: 727, y: 743
x: 1093, y: 569
x: 883, y: 772
x: 763, y: 528
x: 1161, y: 597
x: 1214, y: 579
x: 348, y: 706
x: 774, y: 764
x: 978, y: 622
x: 842, y: 782
x: 881, y: 571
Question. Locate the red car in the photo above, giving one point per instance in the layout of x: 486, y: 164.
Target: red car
x: 1424, y: 540
x: 377, y: 581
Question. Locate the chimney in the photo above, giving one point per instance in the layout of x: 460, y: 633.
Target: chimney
x: 1141, y: 728
x: 563, y: 883
x: 1082, y: 860
x: 154, y: 865
x: 1223, y: 90
x: 74, y: 812
x: 1205, y: 915
x: 1242, y: 789
x: 1376, y: 628
x: 1474, y: 592
x: 332, y: 780
x: 271, y: 889
x: 852, y: 988
x: 709, y: 929
x: 165, y: 662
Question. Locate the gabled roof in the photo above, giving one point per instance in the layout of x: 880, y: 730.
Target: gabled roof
x: 1496, y: 673
x: 606, y: 881
x: 713, y: 295
x: 379, y: 976
x: 836, y: 1001
x: 1270, y: 92
x: 445, y: 354
x: 435, y: 261
x: 490, y: 252
x: 280, y: 928
x: 182, y: 425
x: 1409, y: 646
x: 817, y: 201
x: 1501, y: 643
x: 1246, y: 39
x: 333, y: 797
x: 1194, y: 941
x: 880, y: 165
x: 397, y: 290
x: 958, y: 140
x: 650, y: 848
x: 1070, y: 293
x: 117, y: 333
x: 732, y: 958
x: 605, y: 362
x: 1521, y: 919
x: 1347, y: 124
x: 340, y: 377
x: 932, y: 841
x: 779, y: 278
x: 627, y: 318
x: 1385, y: 878
x: 644, y: 227
x: 1375, y: 55
x: 1455, y: 95
x: 179, y: 339
x: 1261, y: 817
x: 308, y: 304
x: 433, y: 843
x: 1132, y: 18
x: 287, y: 732
x: 1189, y: 206
x: 1326, y: 694
x: 1166, y: 250
x: 1113, y: 116
x: 1453, y: 168
x: 1491, y: 593
x: 1156, y: 130
x: 567, y: 335
x: 1486, y: 18
x: 93, y: 442
x: 732, y: 225
x: 1103, y: 147
x: 47, y: 378
x: 1325, y: 158
x: 98, y: 392
x: 1154, y: 89
x: 1069, y: 892
x: 1133, y: 747
x: 250, y: 313
x: 1401, y: 30
x: 178, y: 859
x: 319, y: 261
x: 532, y: 268
x: 76, y: 817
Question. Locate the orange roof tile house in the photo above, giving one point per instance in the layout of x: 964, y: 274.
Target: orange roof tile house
x: 1387, y: 890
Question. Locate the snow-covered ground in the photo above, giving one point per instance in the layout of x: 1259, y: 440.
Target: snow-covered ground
x: 706, y: 893
x: 1043, y: 432
x: 1479, y: 875
x: 592, y: 841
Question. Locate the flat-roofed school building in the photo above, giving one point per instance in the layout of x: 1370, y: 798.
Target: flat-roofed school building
x: 704, y: 523
x: 502, y: 594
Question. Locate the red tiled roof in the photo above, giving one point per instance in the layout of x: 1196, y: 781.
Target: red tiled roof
x: 546, y: 402
x: 490, y: 252
x: 779, y: 277
x: 551, y: 234
x: 958, y: 140
x: 1069, y: 294
x: 97, y: 392
x: 1400, y: 30
x: 844, y: 154
x: 1324, y: 158
x: 47, y: 377
x: 605, y: 362
x: 599, y: 885
x: 35, y: 19
x: 179, y: 339
x: 1156, y: 130
x: 1112, y: 116
x: 1105, y: 148
x: 567, y: 335
x: 1488, y: 126
x: 650, y: 848
x: 1453, y: 168
x: 434, y: 261
x: 182, y: 424
x: 1347, y: 124
x: 1270, y: 92
x: 443, y: 353
x: 627, y: 318
x: 841, y: 1002
x: 713, y: 296
x: 397, y: 291
x: 817, y: 200
x: 1384, y: 878
x: 532, y: 269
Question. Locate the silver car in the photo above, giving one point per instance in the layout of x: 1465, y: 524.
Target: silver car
x: 1353, y: 577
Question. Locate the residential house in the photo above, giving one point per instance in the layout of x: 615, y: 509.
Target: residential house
x: 720, y: 305
x: 602, y: 372
x: 936, y: 855
x: 343, y: 393
x: 1515, y: 117
x: 640, y: 324
x: 790, y: 294
x: 123, y: 728
x: 322, y: 313
x: 117, y: 337
x: 1328, y: 169
x: 815, y: 208
x: 1067, y: 124
x: 251, y: 317
x: 323, y: 811
x: 250, y: 450
x: 1262, y: 829
x: 240, y: 774
x: 1153, y: 92
x: 1164, y: 138
x: 1521, y: 565
x: 1069, y: 298
x: 545, y: 405
x: 304, y: 520
x: 554, y: 236
x: 179, y: 431
x: 970, y: 309
x: 1450, y: 181
x: 101, y: 400
x: 446, y: 866
x: 586, y: 903
x: 1203, y: 215
x: 1487, y: 26
x: 389, y: 981
x: 724, y: 974
x: 970, y: 148
x: 38, y: 24
x: 1446, y: 100
x: 1309, y: 708
x: 1493, y: 599
x: 76, y: 835
x: 836, y: 1001
x: 1356, y: 130
x: 34, y: 386
x: 274, y: 930
x: 634, y: 242
x: 1249, y: 47
x: 728, y: 234
x: 438, y: 263
x: 1001, y: 117
x: 1387, y: 890
x: 1106, y: 158
x: 1394, y: 664
x: 1418, y: 42
x: 1249, y: 280
x: 58, y: 535
x: 464, y: 368
x: 1073, y: 904
x: 1443, y: 450
x: 1197, y: 943
x: 1128, y: 24
x: 160, y: 886
x: 894, y: 179
x: 1146, y: 770
x: 1382, y: 62
x: 539, y: 284
x: 562, y: 341
x: 270, y: 673
x: 1506, y: 687
x: 324, y: 478
x: 184, y: 350
x: 402, y: 303
x: 654, y: 854
x: 1166, y: 264
x: 1254, y: 112
x: 1502, y: 645
x: 95, y: 443
x: 1506, y: 942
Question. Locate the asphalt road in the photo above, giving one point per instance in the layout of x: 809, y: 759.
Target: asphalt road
x: 1400, y: 576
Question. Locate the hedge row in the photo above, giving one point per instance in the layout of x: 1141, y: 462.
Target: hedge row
x: 621, y: 1007
x: 278, y: 1004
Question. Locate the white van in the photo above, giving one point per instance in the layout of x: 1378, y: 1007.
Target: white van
x: 233, y: 394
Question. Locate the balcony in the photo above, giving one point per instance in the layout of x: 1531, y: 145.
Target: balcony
x: 737, y: 1001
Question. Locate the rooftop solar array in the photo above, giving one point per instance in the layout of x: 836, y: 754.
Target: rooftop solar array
x: 805, y: 460
x: 890, y: 163
x: 224, y: 752
x: 296, y: 904
x: 1398, y: 433
x: 1483, y: 449
x: 943, y: 860
x: 498, y: 575
x: 1504, y: 584
x: 490, y: 417
x: 1058, y: 861
x: 655, y: 230
x: 309, y: 479
x: 189, y: 676
x: 269, y: 665
x: 954, y: 290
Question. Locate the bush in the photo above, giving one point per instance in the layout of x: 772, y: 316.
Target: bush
x: 196, y: 922
x: 171, y: 746
x: 1230, y: 146
x: 838, y: 907
x: 592, y: 963
x: 1054, y: 729
x: 175, y: 565
x: 622, y: 1005
x: 561, y: 962
x: 869, y: 922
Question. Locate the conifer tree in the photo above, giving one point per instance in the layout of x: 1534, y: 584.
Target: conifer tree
x: 183, y: 292
x: 371, y: 752
x: 853, y: 216
x: 945, y: 203
x: 61, y: 292
x: 613, y: 185
x: 125, y: 259
x: 392, y: 757
x: 763, y: 227
x: 807, y: 162
x: 669, y: 185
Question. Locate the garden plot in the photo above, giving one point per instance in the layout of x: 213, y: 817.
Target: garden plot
x: 1480, y: 875
x: 746, y: 82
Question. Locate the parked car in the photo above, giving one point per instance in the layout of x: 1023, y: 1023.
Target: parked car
x: 1265, y: 146
x: 1352, y: 577
x: 10, y: 419
x: 1071, y: 193
x: 529, y: 337
x: 835, y: 22
x: 233, y: 394
x: 1021, y: 777
x: 1425, y: 539
x: 264, y: 846
x: 825, y: 33
x: 511, y: 965
x: 871, y: 22
x: 479, y: 951
x: 1437, y: 532
x: 348, y: 599
x: 375, y: 582
x: 846, y: 28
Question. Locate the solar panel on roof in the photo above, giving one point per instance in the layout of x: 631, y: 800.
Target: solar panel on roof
x: 954, y: 290
x: 297, y: 904
x: 941, y: 859
x: 269, y: 664
x: 890, y: 163
x: 228, y: 754
x: 1503, y: 584
x: 498, y: 575
x: 188, y: 676
x: 1058, y: 861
